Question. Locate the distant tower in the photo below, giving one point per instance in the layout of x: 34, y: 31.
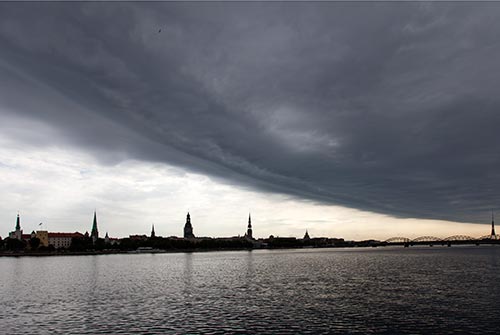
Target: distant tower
x: 18, y: 233
x: 106, y: 238
x: 94, y: 233
x: 188, y: 228
x: 249, y: 228
x: 18, y: 222
x: 306, y: 236
x: 493, y: 235
x: 153, y: 231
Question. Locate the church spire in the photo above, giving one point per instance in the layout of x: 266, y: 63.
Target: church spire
x: 249, y: 233
x: 153, y: 230
x: 18, y: 222
x: 18, y: 233
x: 493, y: 235
x: 94, y: 233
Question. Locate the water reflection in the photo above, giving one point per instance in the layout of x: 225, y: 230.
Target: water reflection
x: 250, y: 272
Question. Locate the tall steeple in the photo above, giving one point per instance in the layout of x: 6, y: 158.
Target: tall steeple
x: 94, y: 233
x: 493, y: 235
x: 18, y: 233
x: 249, y: 233
x: 153, y: 231
x: 188, y: 228
x: 18, y: 222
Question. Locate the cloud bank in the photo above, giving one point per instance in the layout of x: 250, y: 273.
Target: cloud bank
x: 383, y: 107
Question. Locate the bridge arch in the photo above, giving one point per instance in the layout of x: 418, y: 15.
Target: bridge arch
x: 427, y: 239
x: 459, y: 238
x: 398, y: 239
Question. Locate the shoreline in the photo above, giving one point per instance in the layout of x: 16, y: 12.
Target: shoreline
x: 174, y: 251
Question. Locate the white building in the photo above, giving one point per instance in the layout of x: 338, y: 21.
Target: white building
x: 63, y: 240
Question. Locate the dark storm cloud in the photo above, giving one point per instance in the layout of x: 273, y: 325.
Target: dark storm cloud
x: 388, y: 107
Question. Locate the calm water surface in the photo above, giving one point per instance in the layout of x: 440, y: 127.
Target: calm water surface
x: 316, y: 291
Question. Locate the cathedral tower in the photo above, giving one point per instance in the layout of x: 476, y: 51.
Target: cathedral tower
x: 188, y: 228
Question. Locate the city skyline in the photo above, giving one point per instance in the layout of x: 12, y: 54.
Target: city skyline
x: 44, y: 240
x: 188, y: 232
x: 289, y: 112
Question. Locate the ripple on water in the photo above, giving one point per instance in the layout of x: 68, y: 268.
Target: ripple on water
x: 384, y: 291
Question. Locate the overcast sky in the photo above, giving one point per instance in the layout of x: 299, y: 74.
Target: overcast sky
x: 354, y: 119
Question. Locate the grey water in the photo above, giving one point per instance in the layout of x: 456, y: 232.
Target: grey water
x: 308, y: 291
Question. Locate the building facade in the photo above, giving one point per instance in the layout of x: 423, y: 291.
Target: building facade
x: 43, y: 236
x: 62, y: 240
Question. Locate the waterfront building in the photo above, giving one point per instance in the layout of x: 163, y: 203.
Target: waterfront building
x: 188, y: 228
x: 249, y: 233
x: 62, y: 240
x: 94, y: 233
x: 111, y: 240
x: 18, y: 233
x: 43, y: 236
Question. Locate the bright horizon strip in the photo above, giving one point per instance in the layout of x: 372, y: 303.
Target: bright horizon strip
x: 61, y: 187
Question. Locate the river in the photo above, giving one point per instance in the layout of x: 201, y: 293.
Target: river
x: 306, y: 291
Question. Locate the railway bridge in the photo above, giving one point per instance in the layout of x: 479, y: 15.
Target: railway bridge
x: 445, y: 241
